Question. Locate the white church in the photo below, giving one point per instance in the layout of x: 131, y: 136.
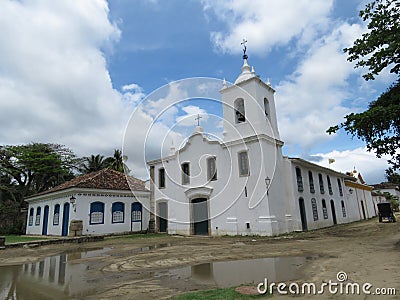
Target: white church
x: 238, y: 185
x: 242, y: 184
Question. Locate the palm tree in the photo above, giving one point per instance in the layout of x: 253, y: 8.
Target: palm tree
x: 117, y: 162
x: 93, y: 163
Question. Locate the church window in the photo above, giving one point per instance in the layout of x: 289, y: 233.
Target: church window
x: 321, y: 184
x: 240, y: 115
x: 329, y: 185
x: 38, y: 212
x: 161, y: 178
x: 343, y: 210
x: 118, y: 212
x: 243, y: 164
x: 340, y: 187
x: 311, y: 182
x: 31, y: 212
x: 266, y: 107
x: 324, y: 209
x: 136, y: 212
x: 212, y: 168
x: 314, y: 209
x: 56, y: 216
x: 185, y: 173
x: 97, y: 213
x: 299, y: 179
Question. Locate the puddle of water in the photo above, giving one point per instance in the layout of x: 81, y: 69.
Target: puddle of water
x: 58, y: 277
x: 233, y: 273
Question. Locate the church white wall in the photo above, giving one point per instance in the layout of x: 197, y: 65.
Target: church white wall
x: 82, y: 212
x: 351, y: 208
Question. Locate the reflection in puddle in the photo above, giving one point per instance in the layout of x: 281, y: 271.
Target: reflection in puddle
x: 58, y: 277
x: 233, y: 273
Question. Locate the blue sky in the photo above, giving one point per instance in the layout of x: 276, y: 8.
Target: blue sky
x: 72, y: 72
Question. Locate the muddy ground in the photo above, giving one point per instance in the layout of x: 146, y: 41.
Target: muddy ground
x: 367, y: 251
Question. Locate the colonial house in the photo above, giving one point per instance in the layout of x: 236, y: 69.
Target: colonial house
x: 104, y: 202
x: 242, y: 184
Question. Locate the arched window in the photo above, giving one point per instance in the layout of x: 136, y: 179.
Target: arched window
x: 266, y: 107
x: 343, y: 210
x: 328, y: 179
x: 311, y: 182
x: 212, y: 168
x: 31, y: 212
x: 314, y: 209
x: 185, y: 173
x: 136, y: 212
x: 243, y: 164
x: 38, y: 212
x: 340, y: 187
x: 161, y: 178
x: 240, y: 114
x: 321, y: 184
x: 299, y: 179
x: 118, y: 209
x: 97, y: 213
x: 324, y: 210
x: 56, y: 216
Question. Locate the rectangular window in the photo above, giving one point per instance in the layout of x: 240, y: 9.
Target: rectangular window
x: 299, y: 179
x: 314, y: 209
x: 185, y: 173
x: 118, y: 217
x: 324, y: 210
x: 343, y: 210
x: 311, y: 182
x: 340, y: 187
x: 96, y: 217
x: 243, y: 164
x: 136, y: 215
x: 161, y: 178
x: 56, y: 219
x: 37, y: 220
x: 321, y: 184
x: 212, y: 168
x: 329, y: 185
x: 30, y: 220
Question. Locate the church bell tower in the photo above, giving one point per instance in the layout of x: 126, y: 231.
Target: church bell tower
x: 248, y: 106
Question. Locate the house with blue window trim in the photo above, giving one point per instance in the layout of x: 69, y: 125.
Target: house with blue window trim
x: 105, y: 201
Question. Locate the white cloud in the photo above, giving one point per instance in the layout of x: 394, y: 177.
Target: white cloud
x: 266, y: 23
x: 54, y: 82
x: 312, y: 99
x: 371, y: 168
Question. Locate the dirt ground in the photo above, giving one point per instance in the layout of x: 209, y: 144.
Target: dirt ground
x: 367, y: 251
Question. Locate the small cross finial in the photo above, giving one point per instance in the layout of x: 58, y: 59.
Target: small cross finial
x: 198, y: 119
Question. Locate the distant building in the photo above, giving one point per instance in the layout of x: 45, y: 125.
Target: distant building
x: 387, y: 187
x: 243, y: 185
x: 102, y: 200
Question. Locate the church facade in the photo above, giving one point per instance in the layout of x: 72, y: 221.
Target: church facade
x: 242, y: 184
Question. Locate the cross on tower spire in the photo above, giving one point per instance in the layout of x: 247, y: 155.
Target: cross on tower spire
x: 198, y: 119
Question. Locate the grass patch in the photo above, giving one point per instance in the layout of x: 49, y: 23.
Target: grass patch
x: 217, y: 294
x: 10, y: 239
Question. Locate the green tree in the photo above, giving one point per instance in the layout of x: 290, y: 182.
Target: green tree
x: 376, y: 50
x: 117, y: 162
x: 379, y: 47
x: 26, y: 170
x: 93, y: 163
